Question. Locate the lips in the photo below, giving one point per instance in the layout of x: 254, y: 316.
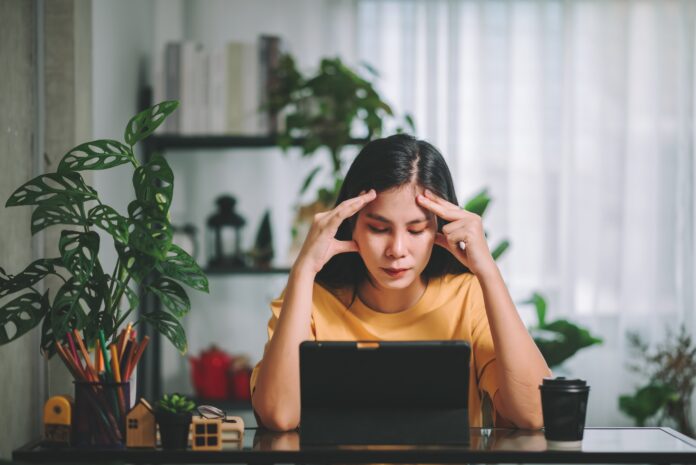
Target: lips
x: 395, y: 272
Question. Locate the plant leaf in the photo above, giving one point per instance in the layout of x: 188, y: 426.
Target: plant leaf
x: 144, y: 123
x: 478, y: 203
x: 110, y: 221
x: 32, y: 274
x: 167, y: 325
x: 500, y: 249
x: 21, y: 315
x: 172, y: 295
x: 79, y: 252
x: 181, y: 266
x: 154, y: 183
x: 540, y: 305
x: 56, y: 211
x: 150, y: 232
x: 646, y: 401
x: 68, y: 186
x: 309, y: 178
x: 136, y: 263
x: 96, y: 155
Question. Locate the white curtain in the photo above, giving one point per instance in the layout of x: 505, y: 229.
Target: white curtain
x: 578, y: 118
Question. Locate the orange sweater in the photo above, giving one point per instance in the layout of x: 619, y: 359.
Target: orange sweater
x: 451, y: 307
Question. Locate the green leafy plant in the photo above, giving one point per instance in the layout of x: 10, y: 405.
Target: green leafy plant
x: 89, y: 299
x: 557, y: 340
x: 670, y: 369
x: 322, y: 110
x: 478, y: 205
x: 176, y: 403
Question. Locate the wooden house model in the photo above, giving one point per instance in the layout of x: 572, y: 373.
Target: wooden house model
x: 141, y: 428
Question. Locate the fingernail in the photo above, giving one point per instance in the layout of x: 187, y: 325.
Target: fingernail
x: 427, y: 192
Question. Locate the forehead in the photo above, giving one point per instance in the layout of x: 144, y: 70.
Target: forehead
x: 397, y: 205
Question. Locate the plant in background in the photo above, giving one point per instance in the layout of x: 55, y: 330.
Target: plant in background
x: 323, y: 109
x: 560, y: 339
x: 670, y: 369
x: 176, y: 403
x: 88, y: 298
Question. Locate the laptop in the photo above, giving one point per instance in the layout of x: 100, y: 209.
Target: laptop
x: 369, y: 392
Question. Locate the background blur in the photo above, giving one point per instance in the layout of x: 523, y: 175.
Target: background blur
x: 577, y: 116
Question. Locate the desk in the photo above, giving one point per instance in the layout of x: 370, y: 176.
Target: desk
x: 600, y: 445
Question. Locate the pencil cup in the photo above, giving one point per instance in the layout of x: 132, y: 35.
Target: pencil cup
x: 100, y: 414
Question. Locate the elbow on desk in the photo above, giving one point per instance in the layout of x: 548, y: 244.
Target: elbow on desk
x: 273, y: 419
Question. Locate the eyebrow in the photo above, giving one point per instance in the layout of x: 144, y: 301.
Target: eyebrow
x: 385, y: 220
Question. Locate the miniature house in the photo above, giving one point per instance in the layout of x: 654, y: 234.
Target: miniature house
x: 141, y: 427
x: 57, y: 419
x: 206, y: 433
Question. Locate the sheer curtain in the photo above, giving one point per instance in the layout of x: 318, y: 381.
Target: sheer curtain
x: 578, y: 118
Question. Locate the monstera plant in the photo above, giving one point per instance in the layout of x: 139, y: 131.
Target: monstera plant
x: 89, y: 299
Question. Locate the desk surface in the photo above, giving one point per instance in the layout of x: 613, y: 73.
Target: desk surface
x: 600, y: 445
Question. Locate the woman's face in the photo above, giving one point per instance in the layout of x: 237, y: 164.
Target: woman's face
x: 395, y: 237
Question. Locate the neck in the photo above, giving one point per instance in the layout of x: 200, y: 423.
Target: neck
x: 390, y: 300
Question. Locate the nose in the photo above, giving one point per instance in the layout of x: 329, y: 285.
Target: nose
x: 397, y: 245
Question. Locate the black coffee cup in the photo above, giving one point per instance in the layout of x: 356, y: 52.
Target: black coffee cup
x: 564, y: 405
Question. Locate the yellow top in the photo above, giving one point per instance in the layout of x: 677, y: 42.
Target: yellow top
x: 451, y: 307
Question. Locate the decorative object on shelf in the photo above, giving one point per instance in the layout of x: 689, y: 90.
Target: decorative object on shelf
x: 174, y: 414
x: 186, y: 237
x: 240, y: 378
x: 670, y: 369
x: 209, y: 373
x: 224, y: 233
x: 323, y: 109
x: 206, y: 433
x: 89, y: 299
x: 141, y: 427
x: 262, y: 253
x: 232, y: 427
x: 560, y: 339
x: 57, y: 420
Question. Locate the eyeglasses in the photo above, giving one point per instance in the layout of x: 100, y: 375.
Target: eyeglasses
x: 211, y: 412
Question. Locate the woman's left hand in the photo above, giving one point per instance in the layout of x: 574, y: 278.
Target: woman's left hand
x: 463, y: 236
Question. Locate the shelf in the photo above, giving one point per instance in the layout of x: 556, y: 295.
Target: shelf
x: 243, y: 271
x: 215, y: 141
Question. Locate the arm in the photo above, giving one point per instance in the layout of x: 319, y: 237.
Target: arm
x: 521, y: 367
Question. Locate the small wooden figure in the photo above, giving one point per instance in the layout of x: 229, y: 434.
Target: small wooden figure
x: 141, y: 428
x: 57, y: 420
x: 206, y: 433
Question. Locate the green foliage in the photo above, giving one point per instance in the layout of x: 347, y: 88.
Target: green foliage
x: 323, y: 109
x: 670, y: 369
x: 176, y: 403
x: 560, y: 339
x: 89, y: 299
x: 478, y: 205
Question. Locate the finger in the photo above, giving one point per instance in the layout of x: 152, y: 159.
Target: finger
x: 443, y: 212
x: 350, y: 207
x: 439, y: 200
x: 441, y: 240
x: 346, y: 246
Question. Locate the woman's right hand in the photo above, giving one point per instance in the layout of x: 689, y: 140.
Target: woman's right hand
x: 321, y: 245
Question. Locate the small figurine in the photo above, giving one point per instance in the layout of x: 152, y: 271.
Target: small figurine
x: 141, y: 428
x: 57, y: 420
x: 206, y: 433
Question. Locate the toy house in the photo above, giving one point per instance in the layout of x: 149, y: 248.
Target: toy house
x: 141, y: 427
x: 206, y: 433
x: 57, y: 420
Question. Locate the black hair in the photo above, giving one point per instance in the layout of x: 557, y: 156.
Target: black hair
x: 385, y: 164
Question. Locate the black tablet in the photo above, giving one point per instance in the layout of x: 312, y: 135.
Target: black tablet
x: 382, y: 392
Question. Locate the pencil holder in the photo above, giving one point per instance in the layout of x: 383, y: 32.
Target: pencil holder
x: 100, y: 414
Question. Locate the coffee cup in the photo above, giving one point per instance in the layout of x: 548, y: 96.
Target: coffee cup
x: 564, y: 405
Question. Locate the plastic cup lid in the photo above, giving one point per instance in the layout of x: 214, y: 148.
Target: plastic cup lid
x: 563, y: 383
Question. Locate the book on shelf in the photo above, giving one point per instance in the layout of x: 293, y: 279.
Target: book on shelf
x: 220, y: 91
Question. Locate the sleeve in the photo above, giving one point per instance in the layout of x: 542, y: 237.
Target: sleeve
x: 483, y: 350
x: 276, y: 306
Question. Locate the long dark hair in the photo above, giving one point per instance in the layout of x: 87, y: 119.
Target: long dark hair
x: 385, y: 164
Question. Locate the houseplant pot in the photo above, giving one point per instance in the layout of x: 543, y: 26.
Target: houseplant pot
x: 173, y: 415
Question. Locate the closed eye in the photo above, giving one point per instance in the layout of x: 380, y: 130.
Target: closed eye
x: 378, y: 230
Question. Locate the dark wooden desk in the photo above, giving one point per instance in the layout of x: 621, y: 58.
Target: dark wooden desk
x: 600, y: 445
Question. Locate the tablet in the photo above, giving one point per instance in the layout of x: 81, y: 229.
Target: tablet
x: 384, y: 392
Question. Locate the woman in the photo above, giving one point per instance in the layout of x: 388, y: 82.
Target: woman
x: 397, y: 259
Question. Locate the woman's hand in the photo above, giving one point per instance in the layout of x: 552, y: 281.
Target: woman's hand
x: 320, y: 244
x: 463, y: 236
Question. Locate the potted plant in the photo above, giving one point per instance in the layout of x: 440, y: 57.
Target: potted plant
x: 89, y: 299
x: 324, y: 110
x: 670, y: 369
x: 173, y: 414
